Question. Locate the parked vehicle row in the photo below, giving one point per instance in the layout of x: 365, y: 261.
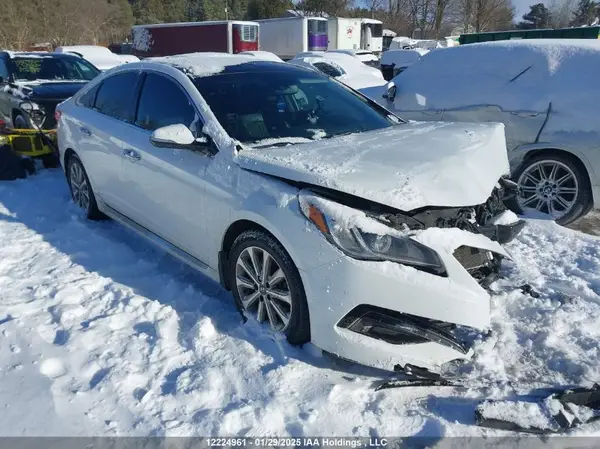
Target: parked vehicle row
x: 282, y: 36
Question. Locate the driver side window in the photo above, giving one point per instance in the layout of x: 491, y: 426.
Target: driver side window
x: 164, y: 103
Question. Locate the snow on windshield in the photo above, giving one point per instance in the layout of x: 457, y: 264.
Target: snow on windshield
x: 204, y: 64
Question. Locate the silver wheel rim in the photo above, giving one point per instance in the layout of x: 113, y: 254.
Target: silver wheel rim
x: 79, y: 186
x: 549, y: 187
x: 263, y: 287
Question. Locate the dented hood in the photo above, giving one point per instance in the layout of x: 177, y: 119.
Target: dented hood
x: 408, y: 166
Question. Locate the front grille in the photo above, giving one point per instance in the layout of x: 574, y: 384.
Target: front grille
x: 49, y: 108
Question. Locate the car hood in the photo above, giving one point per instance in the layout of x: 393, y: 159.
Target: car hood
x: 407, y: 166
x: 51, y: 90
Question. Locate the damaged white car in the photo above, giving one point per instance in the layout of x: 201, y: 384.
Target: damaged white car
x: 330, y: 219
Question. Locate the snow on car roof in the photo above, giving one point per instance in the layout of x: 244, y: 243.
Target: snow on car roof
x: 518, y: 75
x: 203, y: 64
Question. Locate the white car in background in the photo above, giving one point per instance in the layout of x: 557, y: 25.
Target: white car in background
x: 263, y: 55
x: 329, y: 219
x: 365, y: 56
x: 101, y: 57
x: 341, y: 66
x: 543, y: 92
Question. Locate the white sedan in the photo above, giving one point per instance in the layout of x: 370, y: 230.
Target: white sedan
x: 344, y: 67
x: 328, y: 218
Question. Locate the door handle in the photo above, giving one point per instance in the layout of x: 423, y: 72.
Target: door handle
x: 85, y: 131
x: 132, y: 155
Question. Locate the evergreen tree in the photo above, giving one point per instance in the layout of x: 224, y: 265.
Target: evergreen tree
x: 538, y: 17
x: 585, y: 13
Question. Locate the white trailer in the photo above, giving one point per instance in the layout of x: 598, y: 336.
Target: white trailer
x: 344, y: 34
x: 371, y: 35
x: 288, y: 36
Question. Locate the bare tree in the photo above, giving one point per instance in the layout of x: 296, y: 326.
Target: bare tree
x: 561, y: 12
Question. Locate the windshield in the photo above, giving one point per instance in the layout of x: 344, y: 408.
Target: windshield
x: 53, y: 69
x: 256, y: 106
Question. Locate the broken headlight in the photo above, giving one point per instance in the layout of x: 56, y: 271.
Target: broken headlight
x: 36, y: 112
x: 363, y: 245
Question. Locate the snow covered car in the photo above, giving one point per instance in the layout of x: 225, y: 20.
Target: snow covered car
x: 341, y: 66
x: 327, y: 217
x: 263, y: 55
x: 367, y: 57
x: 100, y: 56
x: 32, y: 84
x: 394, y: 62
x: 541, y: 90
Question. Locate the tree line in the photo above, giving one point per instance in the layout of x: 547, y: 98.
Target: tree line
x: 70, y: 22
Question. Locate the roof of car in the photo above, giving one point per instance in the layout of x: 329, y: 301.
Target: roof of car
x: 38, y: 54
x: 545, y: 44
x: 206, y: 64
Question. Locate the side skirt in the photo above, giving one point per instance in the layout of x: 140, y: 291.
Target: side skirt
x: 161, y: 242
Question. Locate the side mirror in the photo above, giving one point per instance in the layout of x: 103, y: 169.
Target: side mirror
x: 390, y: 93
x: 175, y: 136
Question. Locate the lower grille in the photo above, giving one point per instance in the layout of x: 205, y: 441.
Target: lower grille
x: 483, y: 265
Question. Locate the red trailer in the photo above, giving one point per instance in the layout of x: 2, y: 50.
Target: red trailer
x: 165, y: 39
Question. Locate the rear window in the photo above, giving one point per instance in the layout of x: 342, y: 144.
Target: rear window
x: 115, y: 96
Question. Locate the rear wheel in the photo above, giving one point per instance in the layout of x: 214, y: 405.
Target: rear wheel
x: 81, y: 189
x: 555, y: 185
x: 266, y: 283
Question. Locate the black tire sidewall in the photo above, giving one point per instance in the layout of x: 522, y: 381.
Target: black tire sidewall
x: 298, y: 331
x: 583, y: 201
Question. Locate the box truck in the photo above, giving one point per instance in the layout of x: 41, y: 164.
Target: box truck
x: 344, y: 34
x: 371, y: 35
x: 166, y: 39
x: 288, y: 36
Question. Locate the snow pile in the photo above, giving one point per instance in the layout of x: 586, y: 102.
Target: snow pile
x: 263, y: 55
x: 99, y: 56
x: 522, y: 75
x: 401, y: 166
x: 103, y: 334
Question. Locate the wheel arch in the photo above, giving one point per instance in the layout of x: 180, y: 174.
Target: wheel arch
x: 233, y: 231
x: 576, y: 157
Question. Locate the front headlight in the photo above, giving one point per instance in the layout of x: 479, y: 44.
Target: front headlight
x: 360, y: 244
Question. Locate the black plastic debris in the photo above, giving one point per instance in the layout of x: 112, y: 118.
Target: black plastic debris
x: 528, y: 290
x: 556, y: 413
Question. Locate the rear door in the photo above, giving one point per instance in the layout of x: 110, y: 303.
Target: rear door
x: 164, y: 188
x: 99, y: 128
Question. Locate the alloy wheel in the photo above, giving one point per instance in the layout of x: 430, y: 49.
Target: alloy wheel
x: 548, y: 186
x: 263, y: 287
x: 79, y: 185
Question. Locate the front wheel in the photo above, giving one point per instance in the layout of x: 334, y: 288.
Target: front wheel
x: 266, y: 283
x: 555, y: 185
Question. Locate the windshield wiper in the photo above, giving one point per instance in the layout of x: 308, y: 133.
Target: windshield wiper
x: 278, y: 144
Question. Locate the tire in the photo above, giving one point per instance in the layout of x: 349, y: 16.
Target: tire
x: 21, y: 122
x: 254, y: 294
x: 565, y: 200
x: 77, y: 179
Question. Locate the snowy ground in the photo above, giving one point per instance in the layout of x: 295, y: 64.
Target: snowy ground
x: 101, y: 334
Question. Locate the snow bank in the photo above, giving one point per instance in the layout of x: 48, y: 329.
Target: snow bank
x: 519, y: 75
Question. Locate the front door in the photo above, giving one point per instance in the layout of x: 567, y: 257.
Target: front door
x: 164, y: 188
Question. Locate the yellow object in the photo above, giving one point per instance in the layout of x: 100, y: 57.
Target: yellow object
x: 29, y: 142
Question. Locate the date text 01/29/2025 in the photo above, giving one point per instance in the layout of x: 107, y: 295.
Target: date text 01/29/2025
x: 302, y: 442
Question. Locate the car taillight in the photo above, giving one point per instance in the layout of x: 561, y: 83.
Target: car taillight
x: 57, y: 115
